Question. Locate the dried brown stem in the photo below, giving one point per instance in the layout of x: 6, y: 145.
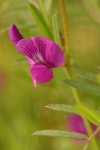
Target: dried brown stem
x: 91, y: 137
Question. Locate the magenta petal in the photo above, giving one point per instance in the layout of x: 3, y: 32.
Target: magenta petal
x: 56, y: 56
x: 14, y: 34
x: 41, y: 73
x: 30, y: 61
x: 50, y: 50
x: 34, y: 83
x: 27, y: 47
x: 76, y: 124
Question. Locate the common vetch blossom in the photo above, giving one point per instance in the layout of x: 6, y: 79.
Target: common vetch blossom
x: 76, y: 124
x: 41, y: 53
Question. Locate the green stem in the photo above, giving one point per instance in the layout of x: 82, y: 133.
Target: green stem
x: 75, y: 94
x: 78, y: 102
x: 68, y: 68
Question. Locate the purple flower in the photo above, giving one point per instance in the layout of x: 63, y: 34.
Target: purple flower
x: 41, y: 53
x: 76, y: 124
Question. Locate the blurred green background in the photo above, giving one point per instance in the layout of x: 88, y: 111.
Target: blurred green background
x: 21, y: 105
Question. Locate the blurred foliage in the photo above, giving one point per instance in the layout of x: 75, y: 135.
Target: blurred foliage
x: 21, y: 105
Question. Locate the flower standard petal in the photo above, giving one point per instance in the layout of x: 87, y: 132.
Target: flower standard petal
x: 41, y: 73
x: 50, y: 51
x: 26, y: 47
x: 55, y: 56
x: 14, y: 34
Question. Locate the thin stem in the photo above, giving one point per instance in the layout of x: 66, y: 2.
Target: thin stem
x: 94, y: 134
x: 68, y: 67
x: 78, y: 102
x: 65, y: 28
x: 75, y: 94
x: 91, y: 138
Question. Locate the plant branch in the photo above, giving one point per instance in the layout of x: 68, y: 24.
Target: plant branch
x: 65, y: 29
x: 91, y: 138
x: 67, y: 67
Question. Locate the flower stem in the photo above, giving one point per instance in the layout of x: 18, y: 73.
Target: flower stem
x: 91, y: 138
x: 78, y: 102
x: 75, y: 94
x: 65, y: 29
x: 68, y: 68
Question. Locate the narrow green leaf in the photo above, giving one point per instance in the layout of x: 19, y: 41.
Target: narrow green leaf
x: 91, y: 115
x: 55, y: 29
x: 42, y: 24
x: 41, y: 3
x: 83, y: 87
x: 57, y: 133
x: 47, y: 6
x: 62, y: 107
